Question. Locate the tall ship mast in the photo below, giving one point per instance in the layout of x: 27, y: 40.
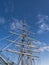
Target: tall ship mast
x: 26, y: 49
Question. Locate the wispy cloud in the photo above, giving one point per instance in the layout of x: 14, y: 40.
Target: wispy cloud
x: 42, y: 49
x: 42, y: 28
x: 45, y: 48
x: 42, y: 23
x: 39, y: 43
x: 42, y: 46
x: 36, y: 42
x: 42, y: 18
x: 16, y: 24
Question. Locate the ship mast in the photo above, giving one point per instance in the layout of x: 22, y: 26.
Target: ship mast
x: 26, y: 46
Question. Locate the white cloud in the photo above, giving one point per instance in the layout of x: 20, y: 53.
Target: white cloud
x: 36, y: 42
x: 42, y: 49
x: 45, y: 48
x: 42, y: 18
x: 42, y: 23
x: 41, y: 46
x: 43, y: 27
x: 16, y: 24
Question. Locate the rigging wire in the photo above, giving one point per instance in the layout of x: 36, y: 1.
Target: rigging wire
x: 19, y: 59
x: 6, y: 37
x: 10, y: 44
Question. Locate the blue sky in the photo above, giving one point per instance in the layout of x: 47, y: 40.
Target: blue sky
x: 36, y: 13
